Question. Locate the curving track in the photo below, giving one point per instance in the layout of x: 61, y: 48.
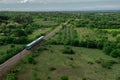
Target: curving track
x: 10, y: 63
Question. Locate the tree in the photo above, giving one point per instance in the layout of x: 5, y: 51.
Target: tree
x: 23, y: 19
x: 19, y: 32
x: 22, y: 40
x: 3, y: 18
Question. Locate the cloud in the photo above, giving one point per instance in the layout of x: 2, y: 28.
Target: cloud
x: 25, y: 1
x: 42, y: 5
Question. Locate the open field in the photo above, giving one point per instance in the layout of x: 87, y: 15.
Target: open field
x: 53, y: 64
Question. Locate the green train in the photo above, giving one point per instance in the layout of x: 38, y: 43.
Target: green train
x: 35, y: 42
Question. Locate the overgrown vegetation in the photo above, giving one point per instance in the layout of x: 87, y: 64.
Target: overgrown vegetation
x: 83, y: 65
x: 89, y: 30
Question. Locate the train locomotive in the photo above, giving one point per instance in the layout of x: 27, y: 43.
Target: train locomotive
x: 33, y: 43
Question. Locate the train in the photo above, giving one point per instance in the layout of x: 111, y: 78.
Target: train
x: 33, y: 43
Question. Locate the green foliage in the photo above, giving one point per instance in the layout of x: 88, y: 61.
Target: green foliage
x: 19, y: 32
x: 118, y: 78
x: 31, y: 60
x: 107, y: 50
x: 12, y: 46
x: 118, y: 45
x: 109, y: 47
x: 22, y: 40
x: 11, y: 77
x: 35, y: 75
x: 106, y: 63
x: 90, y: 62
x: 64, y: 78
x: 52, y: 69
x: 23, y: 19
x: 68, y: 50
x: 115, y: 53
x: 9, y: 53
x: 118, y: 38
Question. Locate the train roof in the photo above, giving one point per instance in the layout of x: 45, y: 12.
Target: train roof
x: 33, y: 42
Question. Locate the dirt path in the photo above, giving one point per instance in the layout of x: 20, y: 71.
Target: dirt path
x: 10, y: 63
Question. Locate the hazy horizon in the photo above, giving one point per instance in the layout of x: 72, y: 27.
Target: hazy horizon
x: 53, y: 5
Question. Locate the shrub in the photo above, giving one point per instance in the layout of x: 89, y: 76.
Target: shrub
x: 84, y: 78
x: 52, y: 69
x: 68, y: 50
x: 31, y: 60
x: 12, y: 46
x: 98, y: 61
x: 64, y: 78
x: 11, y: 77
x: 107, y: 50
x: 115, y: 53
x: 35, y: 75
x: 118, y: 38
x: 109, y: 47
x: 89, y: 62
x: 107, y: 64
x: 100, y: 44
x: 118, y: 78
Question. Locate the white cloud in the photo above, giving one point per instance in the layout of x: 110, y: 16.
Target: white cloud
x: 25, y: 1
x: 59, y: 4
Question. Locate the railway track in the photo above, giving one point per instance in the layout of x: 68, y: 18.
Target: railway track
x: 10, y: 63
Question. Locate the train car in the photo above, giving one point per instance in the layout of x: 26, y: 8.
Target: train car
x: 32, y: 44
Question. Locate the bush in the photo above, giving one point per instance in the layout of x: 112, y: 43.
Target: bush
x: 64, y: 78
x: 107, y: 64
x: 89, y: 62
x: 21, y: 40
x: 100, y: 44
x: 11, y: 77
x: 115, y: 53
x: 12, y: 46
x: 98, y: 61
x: 118, y: 38
x: 68, y: 50
x: 107, y: 49
x: 52, y: 69
x: 118, y: 78
x: 31, y: 60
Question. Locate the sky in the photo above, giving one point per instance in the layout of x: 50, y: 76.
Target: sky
x: 58, y: 5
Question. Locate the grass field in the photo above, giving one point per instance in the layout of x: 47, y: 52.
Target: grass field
x: 52, y: 64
